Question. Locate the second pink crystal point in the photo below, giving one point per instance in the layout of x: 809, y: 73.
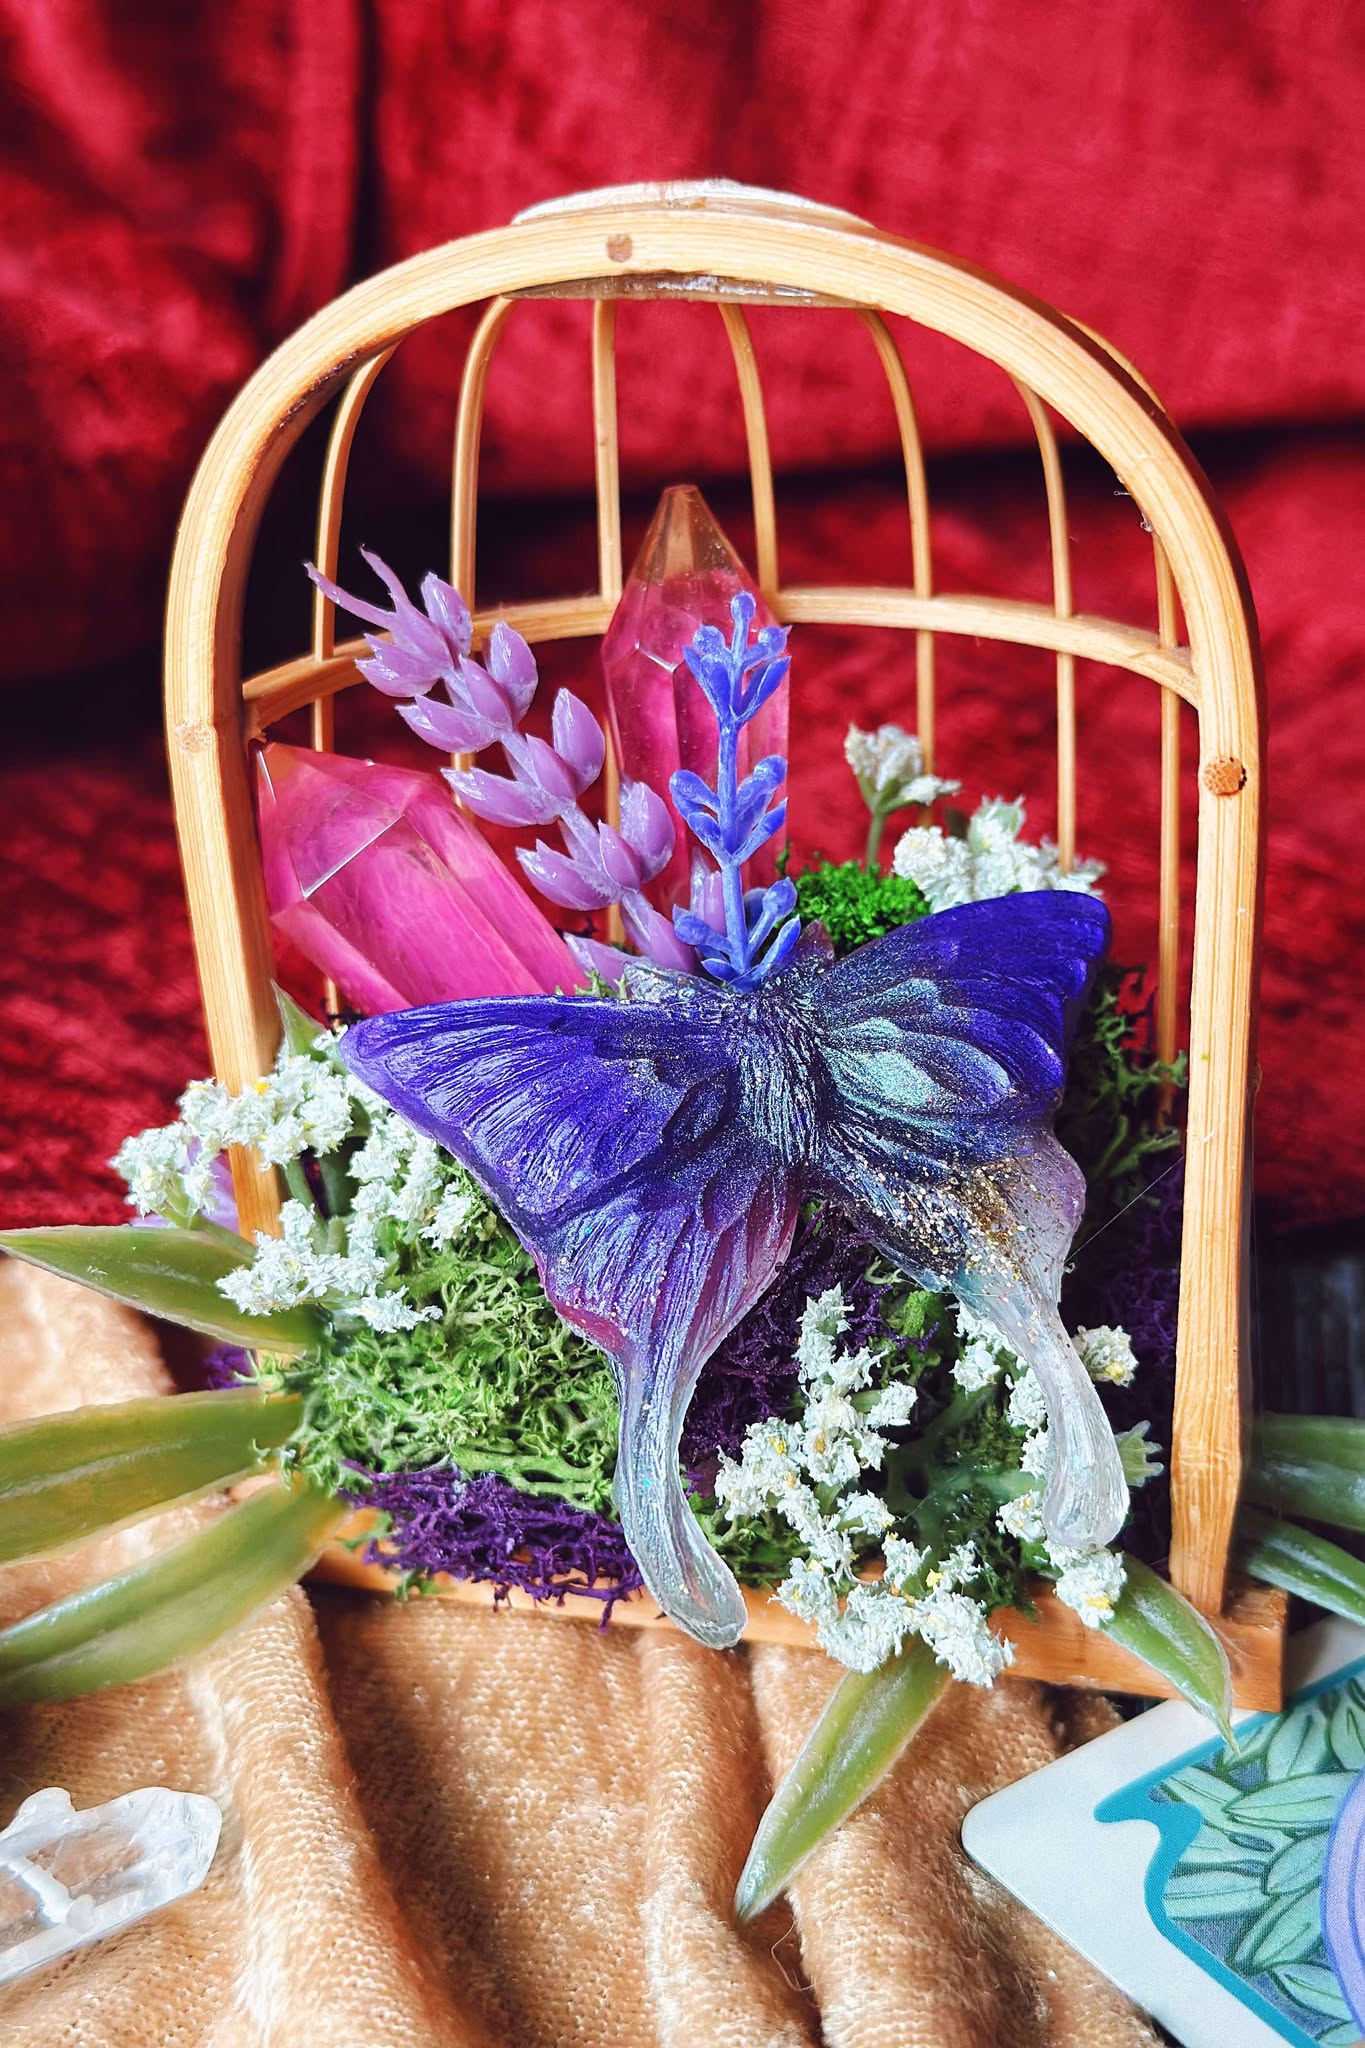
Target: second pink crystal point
x: 383, y: 885
x: 683, y: 577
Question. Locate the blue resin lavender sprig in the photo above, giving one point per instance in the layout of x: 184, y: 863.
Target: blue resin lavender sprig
x: 733, y: 820
x: 485, y: 706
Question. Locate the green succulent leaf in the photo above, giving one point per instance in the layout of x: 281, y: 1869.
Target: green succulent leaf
x: 1314, y: 1567
x: 178, y: 1602
x: 1347, y: 2035
x: 1310, y: 1465
x: 1211, y: 1849
x: 1296, y: 1805
x: 1285, y: 1931
x: 1347, y: 1730
x: 1209, y: 1894
x: 1298, y: 1864
x: 298, y: 1029
x: 170, y: 1273
x: 1161, y: 1627
x: 1314, y: 1986
x: 1299, y: 1746
x: 65, y: 1477
x: 867, y: 1722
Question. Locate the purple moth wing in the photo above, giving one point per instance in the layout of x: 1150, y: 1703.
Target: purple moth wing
x: 942, y: 1052
x: 611, y: 1136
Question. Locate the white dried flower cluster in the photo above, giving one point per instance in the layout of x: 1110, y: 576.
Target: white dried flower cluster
x: 992, y: 860
x: 957, y: 1630
x: 808, y: 1471
x: 1027, y: 1409
x: 157, y: 1166
x: 299, y: 1265
x: 1089, y: 1582
x: 978, y: 1364
x: 305, y: 1105
x: 459, y: 1204
x: 889, y: 765
x: 984, y: 1354
x: 1107, y: 1354
x: 1034, y: 1454
x: 1022, y: 1517
x: 400, y: 1186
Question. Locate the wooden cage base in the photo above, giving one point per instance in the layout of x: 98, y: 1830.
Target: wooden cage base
x: 1053, y: 1644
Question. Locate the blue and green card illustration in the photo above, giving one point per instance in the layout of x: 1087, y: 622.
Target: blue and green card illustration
x: 1223, y: 1889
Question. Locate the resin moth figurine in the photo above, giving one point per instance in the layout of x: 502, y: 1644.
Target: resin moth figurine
x: 653, y: 1150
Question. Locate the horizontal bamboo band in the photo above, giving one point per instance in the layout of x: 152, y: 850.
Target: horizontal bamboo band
x: 1052, y: 1644
x: 277, y: 691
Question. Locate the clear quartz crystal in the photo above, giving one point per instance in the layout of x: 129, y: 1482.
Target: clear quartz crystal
x: 68, y: 1879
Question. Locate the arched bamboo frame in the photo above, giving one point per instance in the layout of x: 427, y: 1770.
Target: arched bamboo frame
x: 731, y: 248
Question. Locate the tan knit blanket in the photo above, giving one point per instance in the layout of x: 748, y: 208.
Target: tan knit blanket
x: 445, y: 1828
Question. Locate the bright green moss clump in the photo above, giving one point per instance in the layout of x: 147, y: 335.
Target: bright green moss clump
x: 854, y: 905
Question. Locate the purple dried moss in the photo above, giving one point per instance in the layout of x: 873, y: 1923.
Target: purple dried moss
x: 227, y: 1365
x: 487, y: 1529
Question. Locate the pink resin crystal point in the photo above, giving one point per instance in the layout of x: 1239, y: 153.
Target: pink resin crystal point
x: 684, y: 576
x: 380, y: 882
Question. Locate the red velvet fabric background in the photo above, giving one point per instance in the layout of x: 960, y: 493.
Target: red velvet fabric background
x: 182, y: 185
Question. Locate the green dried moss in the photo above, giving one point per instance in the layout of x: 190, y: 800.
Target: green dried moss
x: 496, y: 1384
x: 854, y: 905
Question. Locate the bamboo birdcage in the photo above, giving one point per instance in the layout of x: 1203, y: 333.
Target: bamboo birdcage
x: 732, y: 246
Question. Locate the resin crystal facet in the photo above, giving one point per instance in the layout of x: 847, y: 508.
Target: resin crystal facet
x: 654, y: 1153
x: 68, y: 1879
x: 684, y: 576
x: 376, y: 878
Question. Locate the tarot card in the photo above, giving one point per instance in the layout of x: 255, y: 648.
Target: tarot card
x: 1193, y: 1874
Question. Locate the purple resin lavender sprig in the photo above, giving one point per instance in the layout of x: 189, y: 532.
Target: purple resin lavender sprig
x: 733, y: 820
x: 601, y: 864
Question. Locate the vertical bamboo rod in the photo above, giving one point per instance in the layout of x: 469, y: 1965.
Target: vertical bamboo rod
x: 607, y: 458
x: 331, y: 497
x: 921, y: 551
x: 1060, y: 542
x: 756, y: 434
x: 322, y: 711
x: 464, y: 482
x: 606, y: 449
x: 1168, y: 898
